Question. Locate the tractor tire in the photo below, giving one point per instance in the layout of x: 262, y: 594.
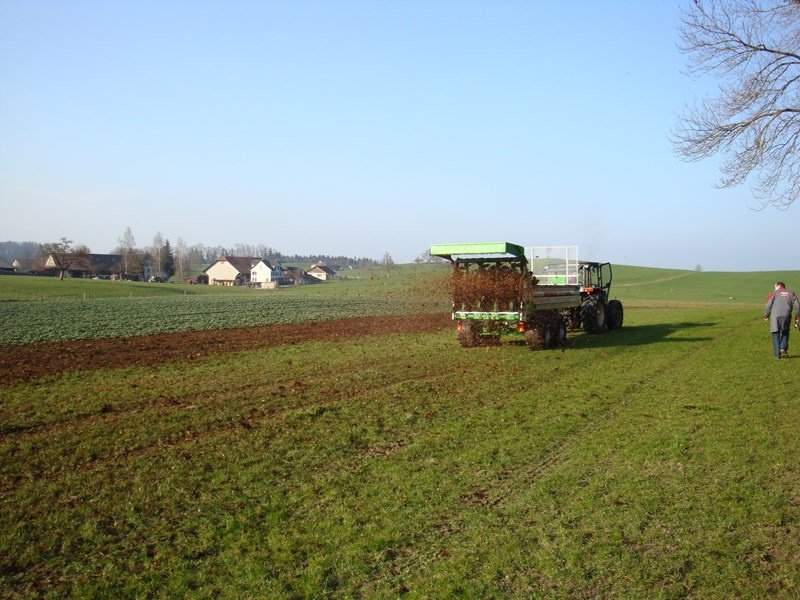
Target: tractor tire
x: 534, y: 339
x: 467, y: 336
x: 615, y: 314
x: 593, y: 315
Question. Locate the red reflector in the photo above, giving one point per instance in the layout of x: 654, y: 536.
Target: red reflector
x: 521, y: 327
x: 459, y: 326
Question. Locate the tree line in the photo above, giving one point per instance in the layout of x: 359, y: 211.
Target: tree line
x: 164, y: 258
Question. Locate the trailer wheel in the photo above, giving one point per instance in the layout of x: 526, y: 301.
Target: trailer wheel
x: 467, y: 336
x: 561, y: 333
x: 593, y: 315
x: 615, y: 314
x: 533, y: 339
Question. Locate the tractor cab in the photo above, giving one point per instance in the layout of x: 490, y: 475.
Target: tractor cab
x: 595, y: 276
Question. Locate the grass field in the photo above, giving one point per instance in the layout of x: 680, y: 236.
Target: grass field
x: 661, y: 460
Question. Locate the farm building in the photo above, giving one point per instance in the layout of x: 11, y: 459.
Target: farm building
x: 243, y: 270
x: 5, y: 265
x: 322, y: 272
x: 296, y: 276
x: 22, y: 265
x: 87, y: 265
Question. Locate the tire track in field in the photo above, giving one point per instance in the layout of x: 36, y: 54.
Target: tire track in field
x: 556, y: 454
x: 247, y: 420
x: 663, y: 279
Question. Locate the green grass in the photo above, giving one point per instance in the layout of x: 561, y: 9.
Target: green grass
x: 661, y: 460
x: 637, y: 284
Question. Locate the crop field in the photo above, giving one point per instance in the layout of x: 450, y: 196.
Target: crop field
x: 373, y: 456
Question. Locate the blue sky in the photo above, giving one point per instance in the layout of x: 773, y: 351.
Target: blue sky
x: 362, y: 127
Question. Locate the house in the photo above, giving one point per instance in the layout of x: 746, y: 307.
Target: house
x: 86, y: 265
x: 6, y: 266
x: 296, y: 276
x: 22, y: 265
x: 264, y: 274
x: 243, y: 270
x: 322, y: 272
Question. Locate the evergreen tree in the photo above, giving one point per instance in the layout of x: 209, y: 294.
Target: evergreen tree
x: 167, y: 260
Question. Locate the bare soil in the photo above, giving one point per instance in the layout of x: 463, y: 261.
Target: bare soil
x: 23, y: 363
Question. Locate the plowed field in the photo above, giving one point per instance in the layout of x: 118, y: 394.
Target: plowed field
x: 20, y: 363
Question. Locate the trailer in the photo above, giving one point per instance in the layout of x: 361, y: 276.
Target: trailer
x: 495, y: 293
x: 500, y: 288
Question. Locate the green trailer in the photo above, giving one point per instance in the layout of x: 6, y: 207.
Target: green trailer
x: 495, y: 294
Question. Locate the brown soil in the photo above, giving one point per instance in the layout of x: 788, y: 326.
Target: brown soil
x: 22, y: 363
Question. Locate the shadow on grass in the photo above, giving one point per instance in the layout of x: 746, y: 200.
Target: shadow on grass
x: 637, y: 335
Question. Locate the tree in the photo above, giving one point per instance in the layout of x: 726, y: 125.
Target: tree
x: 127, y: 247
x: 167, y: 260
x: 61, y: 254
x: 387, y: 262
x: 698, y: 268
x: 158, y: 244
x: 181, y: 257
x: 753, y: 46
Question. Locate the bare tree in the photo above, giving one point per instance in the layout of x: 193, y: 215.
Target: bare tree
x: 158, y: 244
x: 387, y: 262
x: 753, y: 46
x: 181, y: 252
x: 127, y: 247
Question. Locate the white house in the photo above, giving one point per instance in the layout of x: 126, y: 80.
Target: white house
x: 243, y: 270
x: 264, y: 274
x: 230, y: 270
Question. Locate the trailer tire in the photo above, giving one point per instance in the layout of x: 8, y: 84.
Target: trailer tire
x: 593, y: 315
x: 467, y: 336
x: 615, y: 314
x: 561, y: 333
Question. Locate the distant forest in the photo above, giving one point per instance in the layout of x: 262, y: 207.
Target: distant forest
x: 208, y: 254
x: 13, y: 250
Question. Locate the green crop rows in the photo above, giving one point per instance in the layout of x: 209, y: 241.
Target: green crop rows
x: 26, y: 322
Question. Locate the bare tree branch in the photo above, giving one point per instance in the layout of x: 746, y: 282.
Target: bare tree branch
x: 753, y: 46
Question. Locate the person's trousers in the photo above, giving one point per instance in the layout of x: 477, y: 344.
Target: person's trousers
x: 780, y: 341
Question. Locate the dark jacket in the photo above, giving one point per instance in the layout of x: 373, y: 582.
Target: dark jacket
x: 779, y: 309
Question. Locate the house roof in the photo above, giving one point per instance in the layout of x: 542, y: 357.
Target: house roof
x: 323, y: 268
x: 5, y: 265
x: 95, y: 262
x: 243, y: 264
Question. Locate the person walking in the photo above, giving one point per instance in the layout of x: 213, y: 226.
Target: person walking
x: 778, y: 313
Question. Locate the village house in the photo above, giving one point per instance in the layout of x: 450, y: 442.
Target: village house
x: 264, y: 274
x: 322, y: 272
x: 6, y: 266
x: 87, y: 265
x: 229, y: 270
x: 23, y: 265
x: 243, y: 270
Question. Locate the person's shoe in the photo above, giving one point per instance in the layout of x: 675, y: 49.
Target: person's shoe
x: 784, y: 353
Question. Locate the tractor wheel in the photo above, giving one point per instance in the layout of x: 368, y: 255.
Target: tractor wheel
x: 467, y: 336
x: 533, y: 339
x: 615, y: 314
x: 593, y: 315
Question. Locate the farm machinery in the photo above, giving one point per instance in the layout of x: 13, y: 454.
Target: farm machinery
x: 500, y: 288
